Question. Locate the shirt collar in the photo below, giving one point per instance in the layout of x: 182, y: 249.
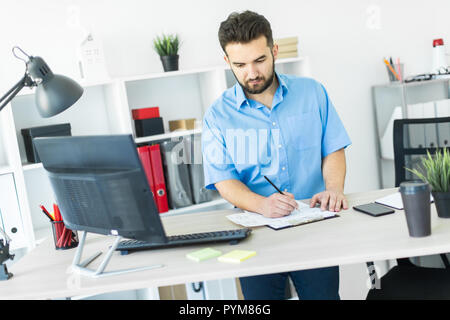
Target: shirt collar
x: 240, y: 95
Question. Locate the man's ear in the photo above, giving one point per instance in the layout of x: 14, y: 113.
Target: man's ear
x: 275, y: 51
x: 225, y: 57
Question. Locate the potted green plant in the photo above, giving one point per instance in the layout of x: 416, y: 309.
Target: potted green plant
x: 437, y: 173
x: 167, y: 48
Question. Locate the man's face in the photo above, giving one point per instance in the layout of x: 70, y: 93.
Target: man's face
x: 252, y: 64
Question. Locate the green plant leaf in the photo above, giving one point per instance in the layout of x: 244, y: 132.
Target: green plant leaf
x: 166, y: 45
x: 437, y: 170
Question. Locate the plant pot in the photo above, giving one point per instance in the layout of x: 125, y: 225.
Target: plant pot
x: 442, y: 202
x: 170, y: 63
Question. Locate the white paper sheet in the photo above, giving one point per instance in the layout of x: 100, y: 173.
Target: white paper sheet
x: 394, y: 200
x: 301, y: 215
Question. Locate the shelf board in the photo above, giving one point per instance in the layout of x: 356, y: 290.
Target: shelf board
x: 167, y: 136
x: 31, y: 91
x: 30, y: 166
x: 155, y: 75
x: 194, y: 71
x: 397, y: 84
x: 5, y: 169
x: 194, y: 207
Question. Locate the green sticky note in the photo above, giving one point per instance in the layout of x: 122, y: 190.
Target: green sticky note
x: 236, y: 256
x: 203, y: 254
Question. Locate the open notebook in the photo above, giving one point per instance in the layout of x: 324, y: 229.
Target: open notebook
x: 304, y: 214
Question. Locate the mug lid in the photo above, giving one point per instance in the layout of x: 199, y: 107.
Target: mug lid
x: 413, y: 187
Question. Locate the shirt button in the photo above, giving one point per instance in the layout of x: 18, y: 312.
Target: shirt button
x: 274, y: 123
x: 284, y: 168
x: 279, y: 146
x: 285, y: 190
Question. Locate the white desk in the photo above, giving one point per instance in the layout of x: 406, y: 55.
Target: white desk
x: 352, y: 238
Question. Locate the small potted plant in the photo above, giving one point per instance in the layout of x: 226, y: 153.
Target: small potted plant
x: 437, y: 174
x: 167, y: 48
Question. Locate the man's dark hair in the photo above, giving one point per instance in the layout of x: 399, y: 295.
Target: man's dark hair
x: 244, y: 27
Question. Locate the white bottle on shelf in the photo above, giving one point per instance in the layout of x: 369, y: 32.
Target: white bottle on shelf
x: 439, y: 59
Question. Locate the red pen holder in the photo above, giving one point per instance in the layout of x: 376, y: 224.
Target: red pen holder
x: 64, y: 238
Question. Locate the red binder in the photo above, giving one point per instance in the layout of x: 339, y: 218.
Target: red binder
x: 158, y: 179
x: 144, y: 155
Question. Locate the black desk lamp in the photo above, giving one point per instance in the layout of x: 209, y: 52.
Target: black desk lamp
x: 54, y: 94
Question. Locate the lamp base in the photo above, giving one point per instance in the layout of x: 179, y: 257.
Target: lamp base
x: 4, y: 274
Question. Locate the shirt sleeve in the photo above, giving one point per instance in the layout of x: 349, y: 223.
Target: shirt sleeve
x: 334, y: 135
x: 217, y: 163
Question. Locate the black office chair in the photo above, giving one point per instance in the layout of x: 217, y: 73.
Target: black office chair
x: 412, y: 139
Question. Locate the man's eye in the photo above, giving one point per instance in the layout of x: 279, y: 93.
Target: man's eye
x: 259, y: 61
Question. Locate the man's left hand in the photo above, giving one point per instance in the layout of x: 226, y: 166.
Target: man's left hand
x: 334, y: 200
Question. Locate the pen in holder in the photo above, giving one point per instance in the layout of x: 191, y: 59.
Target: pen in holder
x: 64, y: 238
x: 398, y: 68
x: 395, y: 70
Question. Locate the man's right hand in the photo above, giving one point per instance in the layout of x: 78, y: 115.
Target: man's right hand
x: 278, y: 205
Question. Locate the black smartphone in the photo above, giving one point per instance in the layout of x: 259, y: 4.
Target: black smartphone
x: 374, y: 209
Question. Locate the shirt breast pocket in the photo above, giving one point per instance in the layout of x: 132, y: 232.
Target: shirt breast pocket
x: 304, y: 130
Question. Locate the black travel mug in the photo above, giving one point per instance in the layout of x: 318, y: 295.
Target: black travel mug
x: 416, y: 202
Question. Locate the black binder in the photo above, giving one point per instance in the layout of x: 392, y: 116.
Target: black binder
x: 177, y: 174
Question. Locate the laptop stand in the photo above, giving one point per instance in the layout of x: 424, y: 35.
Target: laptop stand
x: 81, y: 267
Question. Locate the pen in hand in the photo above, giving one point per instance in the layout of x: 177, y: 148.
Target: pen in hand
x: 273, y: 185
x: 291, y: 202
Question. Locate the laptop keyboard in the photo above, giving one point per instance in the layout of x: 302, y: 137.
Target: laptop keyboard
x: 232, y: 236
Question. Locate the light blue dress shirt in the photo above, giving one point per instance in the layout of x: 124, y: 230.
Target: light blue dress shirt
x: 243, y: 139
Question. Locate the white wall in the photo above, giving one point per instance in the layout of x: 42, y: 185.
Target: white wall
x: 345, y: 41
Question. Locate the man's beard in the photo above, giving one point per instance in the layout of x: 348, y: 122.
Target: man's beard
x: 264, y: 86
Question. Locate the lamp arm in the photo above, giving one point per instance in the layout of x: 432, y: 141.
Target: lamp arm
x: 3, y: 233
x: 25, y: 81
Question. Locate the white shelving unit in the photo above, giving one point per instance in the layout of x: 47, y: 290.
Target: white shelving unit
x: 168, y: 136
x: 105, y: 108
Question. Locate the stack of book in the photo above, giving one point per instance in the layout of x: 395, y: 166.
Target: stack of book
x: 287, y: 47
x: 147, y: 121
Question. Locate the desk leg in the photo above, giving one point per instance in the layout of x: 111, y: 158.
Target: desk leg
x: 374, y: 277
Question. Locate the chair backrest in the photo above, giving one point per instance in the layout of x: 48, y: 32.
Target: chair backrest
x: 412, y: 139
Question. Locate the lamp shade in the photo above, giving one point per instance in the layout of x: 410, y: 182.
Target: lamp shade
x: 56, y: 95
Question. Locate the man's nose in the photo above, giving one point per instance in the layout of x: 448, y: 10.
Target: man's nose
x: 253, y: 72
